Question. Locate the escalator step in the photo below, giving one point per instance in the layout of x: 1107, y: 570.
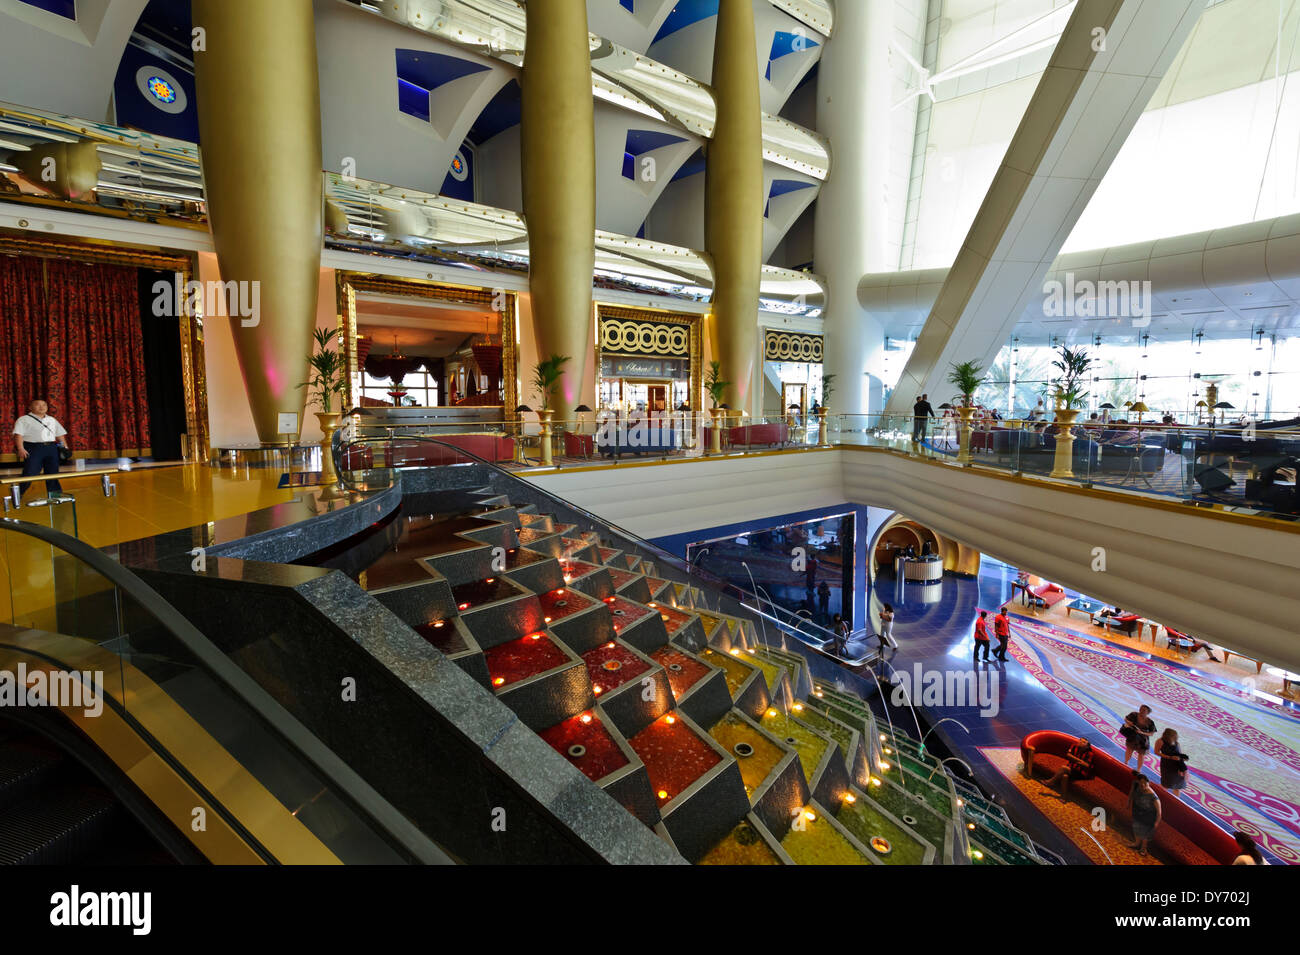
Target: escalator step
x: 59, y: 827
x: 26, y: 764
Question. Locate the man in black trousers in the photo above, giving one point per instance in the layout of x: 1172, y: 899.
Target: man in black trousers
x: 920, y: 411
x: 37, y: 437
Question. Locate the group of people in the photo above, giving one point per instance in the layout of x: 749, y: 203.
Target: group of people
x: 1144, y: 807
x: 1001, y: 630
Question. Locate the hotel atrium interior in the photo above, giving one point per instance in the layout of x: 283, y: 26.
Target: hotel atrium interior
x: 712, y: 432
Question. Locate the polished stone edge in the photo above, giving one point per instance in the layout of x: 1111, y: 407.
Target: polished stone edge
x: 575, y: 801
x: 293, y: 541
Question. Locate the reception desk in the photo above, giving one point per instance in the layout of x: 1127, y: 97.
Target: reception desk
x: 925, y: 570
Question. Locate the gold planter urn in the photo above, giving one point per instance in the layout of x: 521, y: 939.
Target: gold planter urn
x: 329, y: 423
x: 1063, y: 462
x: 963, y: 434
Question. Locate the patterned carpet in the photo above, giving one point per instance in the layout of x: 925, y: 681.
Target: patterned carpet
x: 1245, y: 752
x: 1068, y: 815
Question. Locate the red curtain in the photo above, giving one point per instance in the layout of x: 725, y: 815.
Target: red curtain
x: 70, y: 334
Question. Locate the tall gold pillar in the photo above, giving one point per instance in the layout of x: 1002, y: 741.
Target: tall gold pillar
x: 558, y: 163
x: 733, y: 204
x: 259, y: 125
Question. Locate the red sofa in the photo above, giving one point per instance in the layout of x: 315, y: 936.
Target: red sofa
x: 579, y: 445
x: 415, y: 453
x: 747, y: 435
x: 1184, y: 836
x: 1050, y: 594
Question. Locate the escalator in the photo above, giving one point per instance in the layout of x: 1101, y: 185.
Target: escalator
x: 55, y: 811
x: 128, y: 738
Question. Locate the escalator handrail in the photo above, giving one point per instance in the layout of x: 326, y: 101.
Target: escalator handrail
x: 398, y: 830
x: 725, y: 586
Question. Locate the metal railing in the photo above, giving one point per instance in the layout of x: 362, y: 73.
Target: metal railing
x: 729, y: 598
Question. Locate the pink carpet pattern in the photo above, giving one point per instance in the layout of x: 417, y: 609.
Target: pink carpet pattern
x: 1244, y: 751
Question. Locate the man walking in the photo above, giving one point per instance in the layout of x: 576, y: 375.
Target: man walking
x: 1002, y: 630
x: 37, y: 438
x: 982, y: 637
x: 920, y: 412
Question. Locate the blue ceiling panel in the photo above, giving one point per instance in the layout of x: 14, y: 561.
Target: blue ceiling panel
x: 431, y: 70
x: 684, y: 13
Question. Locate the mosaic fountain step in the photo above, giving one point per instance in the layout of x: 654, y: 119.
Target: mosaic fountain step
x: 589, y: 578
x: 532, y: 569
x: 940, y: 829
x: 697, y: 783
x: 774, y: 676
x: 452, y: 638
x: 603, y: 755
x: 636, y: 623
x: 545, y: 541
x: 699, y: 689
x: 819, y: 755
x: 796, y: 668
x: 749, y: 843
x: 818, y: 838
x: 849, y: 740
x: 979, y: 855
x: 769, y: 769
x: 538, y: 677
x: 497, y: 608
x: 744, y: 682
x: 682, y: 626
x: 892, y: 840
x: 632, y: 689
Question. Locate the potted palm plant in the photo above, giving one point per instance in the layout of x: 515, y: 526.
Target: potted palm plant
x: 1069, y: 396
x: 717, y: 389
x: 546, y: 375
x: 966, y: 377
x: 828, y: 389
x: 327, y: 382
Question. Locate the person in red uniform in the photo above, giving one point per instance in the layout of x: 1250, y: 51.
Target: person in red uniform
x: 1002, y: 630
x: 982, y: 636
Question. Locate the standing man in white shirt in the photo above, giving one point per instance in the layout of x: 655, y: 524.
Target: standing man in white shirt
x: 37, y: 436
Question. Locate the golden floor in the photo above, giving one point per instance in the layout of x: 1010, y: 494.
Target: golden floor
x: 158, y: 499
x: 149, y: 501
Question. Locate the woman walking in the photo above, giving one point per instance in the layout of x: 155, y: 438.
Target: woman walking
x: 1137, y: 731
x: 1173, y: 762
x: 887, y: 627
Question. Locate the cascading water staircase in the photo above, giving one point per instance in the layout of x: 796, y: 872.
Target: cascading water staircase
x: 714, y: 736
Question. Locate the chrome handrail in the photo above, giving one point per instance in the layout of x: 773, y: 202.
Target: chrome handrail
x: 672, y: 560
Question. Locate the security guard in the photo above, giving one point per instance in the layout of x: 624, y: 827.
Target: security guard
x: 37, y: 436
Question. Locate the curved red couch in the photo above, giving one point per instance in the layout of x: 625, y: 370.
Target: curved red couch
x: 1183, y: 836
x: 490, y: 447
x: 746, y: 435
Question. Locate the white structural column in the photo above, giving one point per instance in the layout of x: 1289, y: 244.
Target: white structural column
x: 852, y: 220
x: 1106, y: 66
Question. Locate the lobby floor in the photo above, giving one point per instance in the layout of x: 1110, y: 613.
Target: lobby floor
x: 1064, y: 674
x: 160, y: 498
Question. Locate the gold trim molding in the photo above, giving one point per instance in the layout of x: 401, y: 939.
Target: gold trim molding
x: 791, y: 346
x: 622, y: 316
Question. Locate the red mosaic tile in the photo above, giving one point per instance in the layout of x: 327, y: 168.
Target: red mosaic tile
x: 674, y: 756
x: 683, y: 671
x: 517, y: 660
x: 611, y: 665
x: 562, y: 602
x: 585, y: 742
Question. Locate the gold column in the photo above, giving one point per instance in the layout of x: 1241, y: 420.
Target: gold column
x: 259, y: 122
x: 558, y: 160
x: 733, y: 204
